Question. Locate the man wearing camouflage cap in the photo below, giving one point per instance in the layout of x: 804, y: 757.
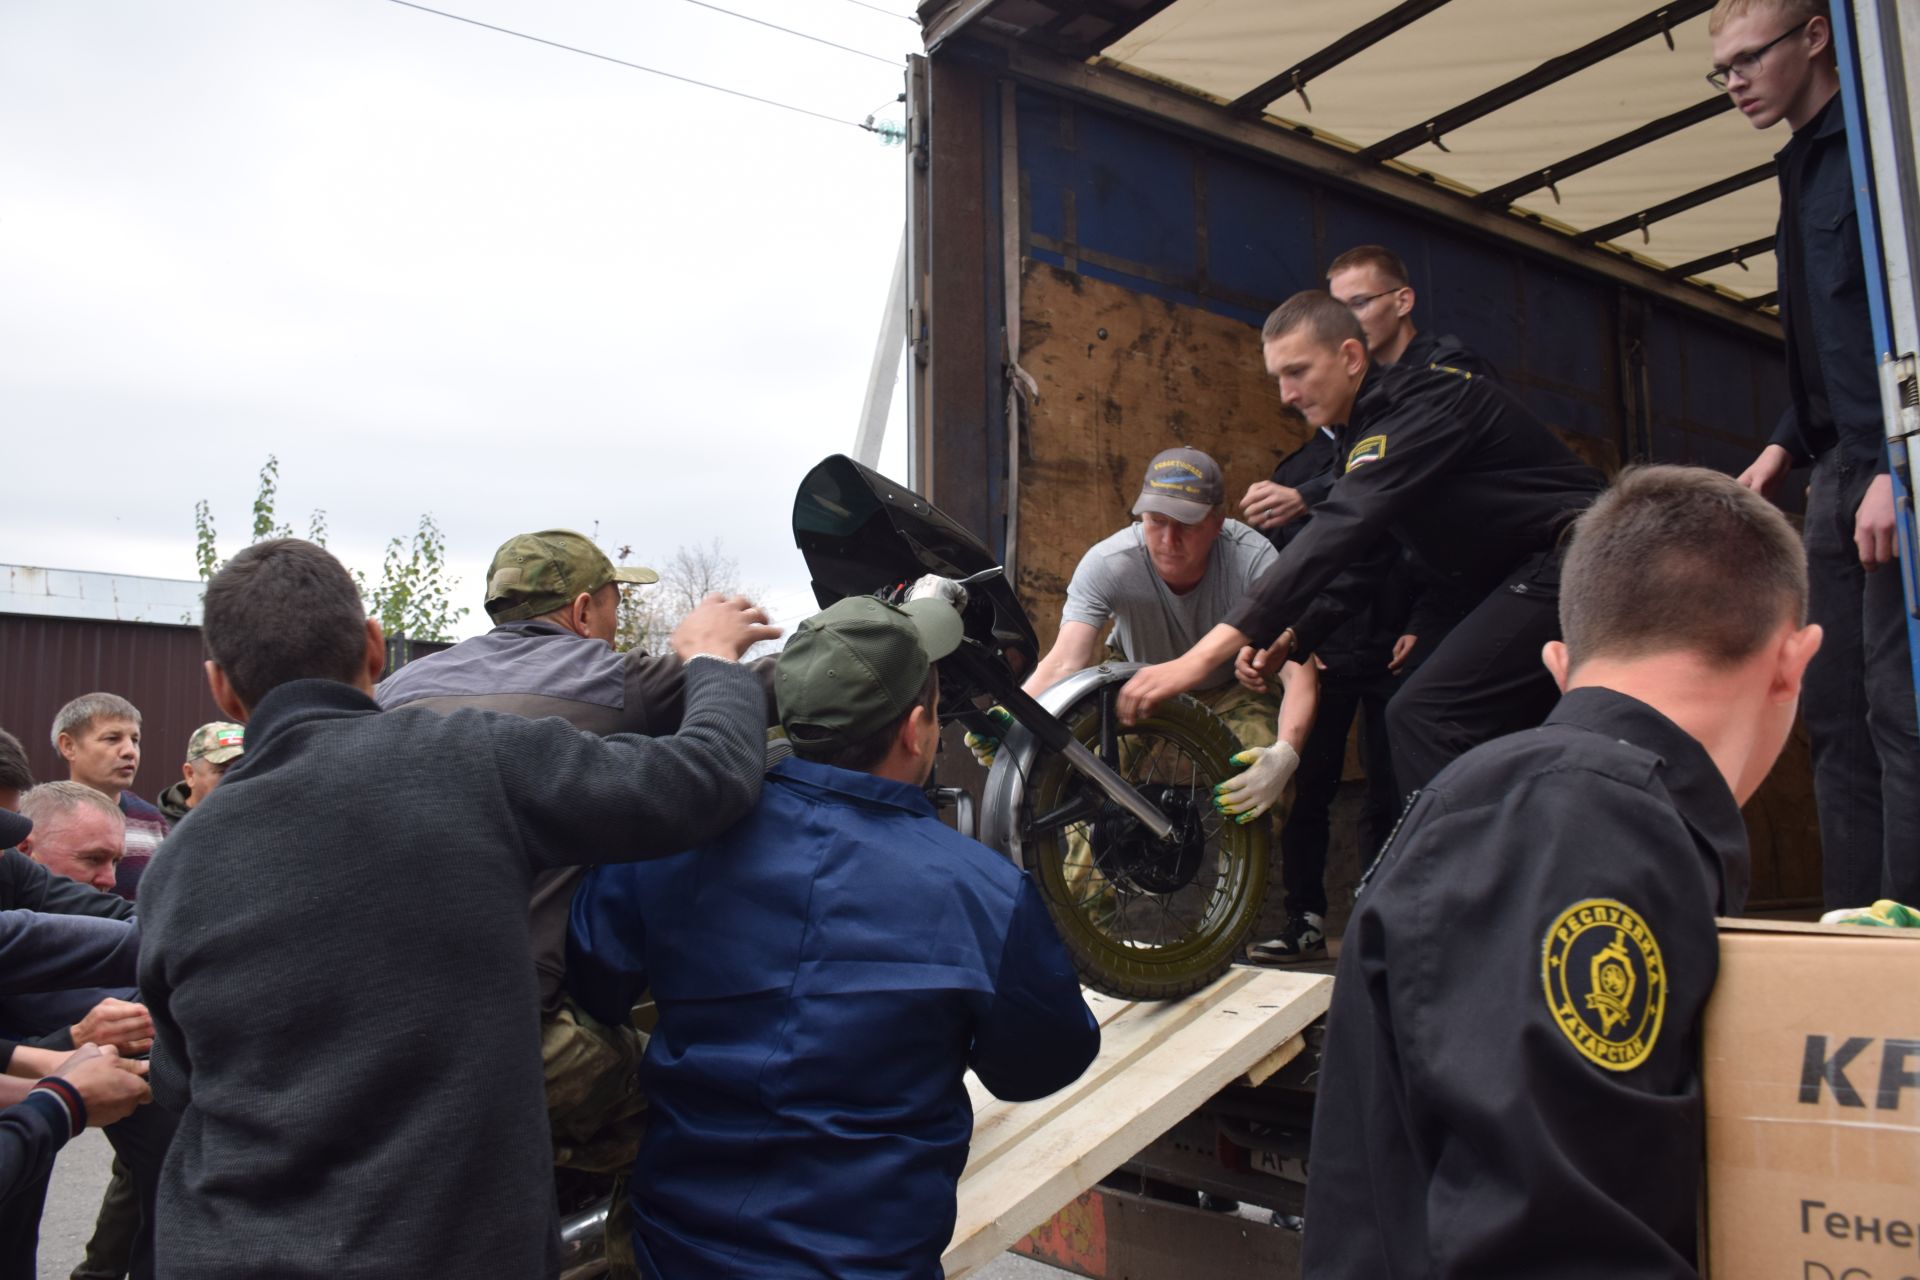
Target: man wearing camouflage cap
x: 554, y: 598
x: 210, y: 750
x: 825, y: 973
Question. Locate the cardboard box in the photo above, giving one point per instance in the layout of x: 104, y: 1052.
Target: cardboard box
x: 1812, y: 1079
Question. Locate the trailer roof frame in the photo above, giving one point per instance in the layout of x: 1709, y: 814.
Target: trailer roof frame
x: 1076, y: 32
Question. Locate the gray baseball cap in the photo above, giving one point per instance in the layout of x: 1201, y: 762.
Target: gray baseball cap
x: 1183, y: 483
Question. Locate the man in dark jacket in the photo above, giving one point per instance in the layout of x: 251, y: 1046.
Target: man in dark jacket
x: 210, y: 750
x: 1776, y: 58
x: 1475, y: 488
x: 1363, y: 658
x: 1511, y: 1081
x: 344, y: 1013
x: 810, y: 1114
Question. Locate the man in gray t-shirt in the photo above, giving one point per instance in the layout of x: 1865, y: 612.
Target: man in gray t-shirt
x: 1164, y: 583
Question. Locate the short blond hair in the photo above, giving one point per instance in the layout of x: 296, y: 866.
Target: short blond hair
x: 1680, y: 559
x: 1796, y: 11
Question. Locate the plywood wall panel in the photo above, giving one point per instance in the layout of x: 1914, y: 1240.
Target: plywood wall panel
x: 1122, y: 375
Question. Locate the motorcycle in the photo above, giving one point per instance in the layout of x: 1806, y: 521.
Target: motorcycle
x: 1151, y: 888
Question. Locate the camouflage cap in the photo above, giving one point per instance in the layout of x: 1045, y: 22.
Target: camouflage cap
x: 219, y: 742
x: 1183, y: 483
x: 855, y: 667
x: 536, y: 573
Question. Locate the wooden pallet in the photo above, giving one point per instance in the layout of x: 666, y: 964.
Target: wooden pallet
x: 1157, y: 1063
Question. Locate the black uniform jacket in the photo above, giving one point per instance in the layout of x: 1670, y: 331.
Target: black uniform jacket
x: 1362, y: 644
x: 1510, y: 1082
x: 1832, y: 381
x: 1467, y: 479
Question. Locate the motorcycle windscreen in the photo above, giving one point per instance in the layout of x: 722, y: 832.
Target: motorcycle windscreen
x: 861, y: 533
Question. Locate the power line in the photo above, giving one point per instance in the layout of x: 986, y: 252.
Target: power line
x: 844, y: 48
x: 622, y: 62
x: 904, y: 17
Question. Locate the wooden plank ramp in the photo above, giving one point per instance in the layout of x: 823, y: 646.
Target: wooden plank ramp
x: 1158, y: 1062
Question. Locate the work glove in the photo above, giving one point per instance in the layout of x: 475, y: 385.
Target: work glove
x: 1885, y: 914
x: 984, y: 748
x: 1256, y: 789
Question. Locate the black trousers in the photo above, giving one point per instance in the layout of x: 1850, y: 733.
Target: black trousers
x: 1485, y: 679
x: 1859, y: 704
x: 1304, y: 838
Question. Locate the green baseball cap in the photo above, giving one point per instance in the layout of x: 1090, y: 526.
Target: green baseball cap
x: 855, y: 667
x: 536, y: 573
x: 219, y: 742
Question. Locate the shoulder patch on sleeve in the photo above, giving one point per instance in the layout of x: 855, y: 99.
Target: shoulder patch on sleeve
x: 1605, y: 981
x: 1447, y: 368
x: 1372, y: 449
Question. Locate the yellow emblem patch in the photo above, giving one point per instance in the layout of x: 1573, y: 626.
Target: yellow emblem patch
x: 1372, y: 449
x: 1605, y: 981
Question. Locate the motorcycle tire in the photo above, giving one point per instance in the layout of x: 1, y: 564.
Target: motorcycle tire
x: 1146, y: 919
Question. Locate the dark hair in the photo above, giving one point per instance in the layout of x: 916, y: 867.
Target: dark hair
x: 1679, y: 558
x: 15, y: 773
x: 1378, y: 256
x: 1330, y: 320
x: 862, y: 754
x: 284, y: 610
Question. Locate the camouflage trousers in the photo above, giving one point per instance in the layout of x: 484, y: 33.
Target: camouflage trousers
x: 1253, y: 717
x: 594, y: 1103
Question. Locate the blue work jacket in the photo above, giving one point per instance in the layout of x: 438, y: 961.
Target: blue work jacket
x: 825, y: 973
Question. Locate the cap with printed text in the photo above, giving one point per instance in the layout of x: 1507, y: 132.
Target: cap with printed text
x: 1183, y: 483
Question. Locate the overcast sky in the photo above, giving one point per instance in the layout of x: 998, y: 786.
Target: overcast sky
x: 436, y: 268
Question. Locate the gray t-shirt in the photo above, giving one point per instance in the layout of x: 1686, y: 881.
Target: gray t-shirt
x: 1116, y: 579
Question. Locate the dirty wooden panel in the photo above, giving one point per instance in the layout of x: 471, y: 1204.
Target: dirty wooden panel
x: 1121, y: 376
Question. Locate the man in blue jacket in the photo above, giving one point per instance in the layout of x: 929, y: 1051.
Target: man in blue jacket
x: 825, y: 973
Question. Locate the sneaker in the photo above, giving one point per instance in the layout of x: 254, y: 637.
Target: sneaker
x: 1303, y: 938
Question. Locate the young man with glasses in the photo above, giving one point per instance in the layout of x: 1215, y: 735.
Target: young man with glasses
x: 1775, y: 57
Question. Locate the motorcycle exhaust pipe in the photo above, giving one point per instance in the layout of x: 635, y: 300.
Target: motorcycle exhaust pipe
x: 583, y: 1243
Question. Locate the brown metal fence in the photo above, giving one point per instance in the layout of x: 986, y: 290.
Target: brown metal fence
x: 47, y: 662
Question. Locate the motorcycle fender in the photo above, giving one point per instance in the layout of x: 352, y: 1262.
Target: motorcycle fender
x: 1019, y: 750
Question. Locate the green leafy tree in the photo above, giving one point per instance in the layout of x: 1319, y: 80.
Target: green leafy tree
x: 414, y: 594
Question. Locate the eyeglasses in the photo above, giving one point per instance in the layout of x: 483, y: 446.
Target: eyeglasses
x: 1357, y: 305
x: 1749, y: 62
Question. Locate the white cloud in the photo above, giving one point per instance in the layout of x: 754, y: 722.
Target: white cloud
x: 433, y: 267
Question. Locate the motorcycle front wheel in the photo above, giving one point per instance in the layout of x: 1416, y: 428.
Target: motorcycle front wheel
x: 1144, y: 918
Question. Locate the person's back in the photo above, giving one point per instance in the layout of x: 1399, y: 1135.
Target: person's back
x: 806, y: 1071
x: 1510, y: 1083
x: 343, y: 1007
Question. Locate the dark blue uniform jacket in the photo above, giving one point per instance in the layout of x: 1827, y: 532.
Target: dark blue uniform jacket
x: 825, y: 974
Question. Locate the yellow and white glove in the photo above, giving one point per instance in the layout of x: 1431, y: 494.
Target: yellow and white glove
x: 983, y: 747
x: 1884, y: 914
x: 1257, y: 787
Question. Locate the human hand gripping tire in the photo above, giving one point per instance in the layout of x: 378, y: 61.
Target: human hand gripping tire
x: 983, y: 747
x: 1256, y: 789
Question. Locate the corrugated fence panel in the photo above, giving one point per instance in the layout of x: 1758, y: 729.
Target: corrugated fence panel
x: 45, y: 663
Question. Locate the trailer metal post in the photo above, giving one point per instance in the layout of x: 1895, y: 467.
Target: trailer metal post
x: 1868, y: 37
